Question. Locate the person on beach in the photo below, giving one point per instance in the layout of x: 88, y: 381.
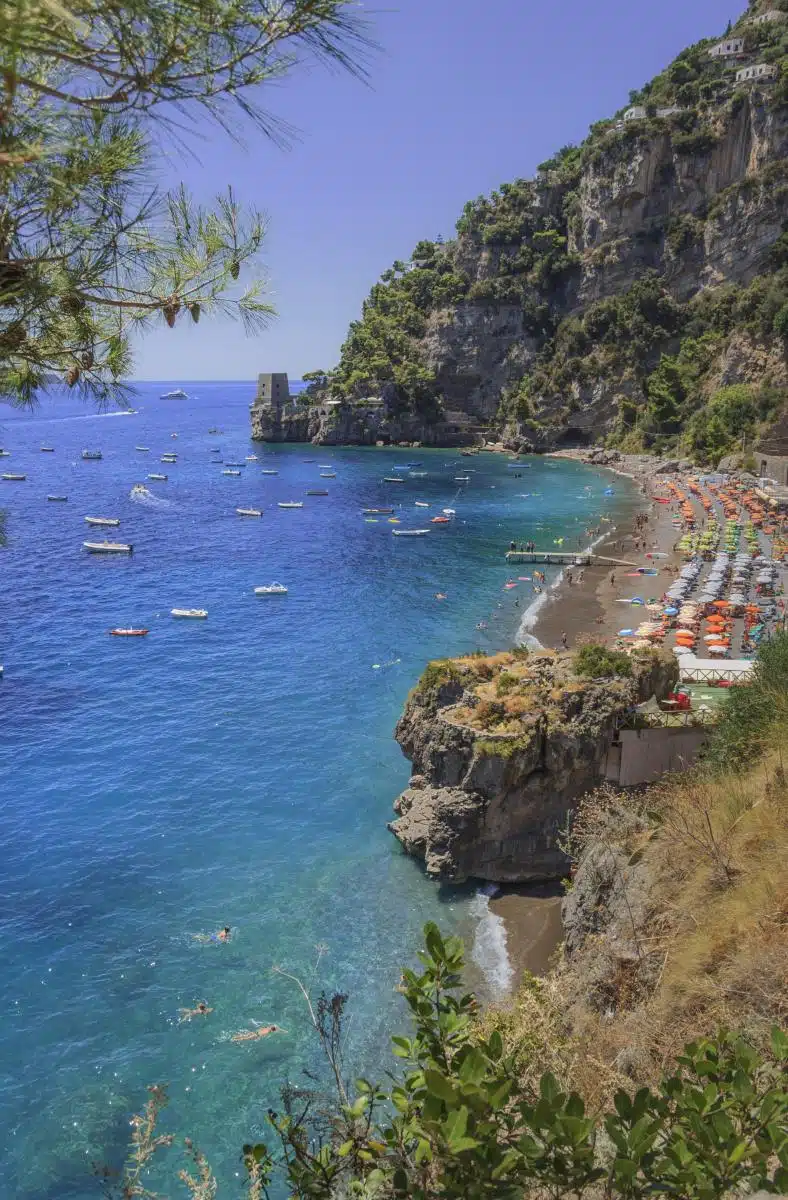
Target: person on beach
x: 221, y: 935
x: 564, y: 641
x: 612, y: 579
x: 569, y: 578
x: 254, y: 1035
x: 186, y: 1014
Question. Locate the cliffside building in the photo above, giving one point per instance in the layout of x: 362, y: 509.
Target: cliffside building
x: 636, y: 113
x: 273, y: 389
x: 773, y: 14
x: 762, y: 71
x: 729, y: 48
x: 771, y: 454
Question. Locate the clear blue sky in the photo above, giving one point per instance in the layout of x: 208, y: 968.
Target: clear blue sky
x: 464, y: 96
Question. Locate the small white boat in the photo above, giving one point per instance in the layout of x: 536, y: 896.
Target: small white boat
x: 47, y: 449
x: 317, y: 492
x: 62, y: 499
x: 108, y: 547
x: 273, y: 589
x: 251, y: 458
x: 235, y: 464
x: 462, y: 479
x: 102, y: 520
x: 92, y: 454
x: 417, y: 474
x: 422, y: 504
x: 139, y: 489
x: 328, y: 474
x: 410, y: 532
x: 143, y: 449
x: 173, y: 435
x: 450, y: 512
x: 175, y: 394
x: 169, y: 458
x: 249, y: 512
x: 194, y: 614
x: 268, y: 472
x: 325, y: 466
x: 161, y: 478
x: 5, y: 453
x: 227, y: 471
x: 291, y: 504
x: 393, y: 479
x: 15, y: 478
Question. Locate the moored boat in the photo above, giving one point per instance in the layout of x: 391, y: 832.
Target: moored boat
x: 108, y: 547
x: 249, y: 512
x: 47, y: 449
x: 328, y: 474
x: 175, y: 394
x: 369, y: 512
x: 156, y: 475
x: 291, y: 504
x: 267, y: 471
x: 410, y: 532
x: 441, y: 520
x: 14, y: 478
x: 102, y: 520
x: 193, y: 614
x: 227, y: 471
x: 273, y: 589
x: 317, y: 492
x: 5, y: 453
x: 462, y: 479
x: 169, y: 458
x: 89, y: 455
x: 422, y: 504
x: 393, y: 479
x: 61, y: 499
x: 128, y: 632
x: 143, y: 449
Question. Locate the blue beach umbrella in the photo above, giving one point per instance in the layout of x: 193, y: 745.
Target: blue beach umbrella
x: 626, y: 633
x: 670, y: 612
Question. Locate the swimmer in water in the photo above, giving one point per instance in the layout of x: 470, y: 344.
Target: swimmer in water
x: 221, y: 935
x: 440, y: 595
x: 186, y: 1014
x: 253, y: 1035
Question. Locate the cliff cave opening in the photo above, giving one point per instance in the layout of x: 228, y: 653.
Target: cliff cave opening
x: 573, y: 439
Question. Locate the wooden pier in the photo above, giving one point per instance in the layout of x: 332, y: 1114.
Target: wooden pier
x: 559, y: 558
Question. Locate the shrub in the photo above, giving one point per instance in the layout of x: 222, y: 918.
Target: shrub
x: 507, y: 682
x: 595, y: 661
x: 488, y: 713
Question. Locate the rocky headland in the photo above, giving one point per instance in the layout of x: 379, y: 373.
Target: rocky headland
x: 502, y: 749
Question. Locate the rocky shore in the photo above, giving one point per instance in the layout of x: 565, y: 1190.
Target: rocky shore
x: 502, y: 747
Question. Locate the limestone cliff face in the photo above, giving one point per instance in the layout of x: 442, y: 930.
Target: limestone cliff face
x: 488, y: 803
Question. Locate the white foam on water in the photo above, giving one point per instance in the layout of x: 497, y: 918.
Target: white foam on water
x: 150, y: 500
x: 525, y: 636
x: 489, y: 950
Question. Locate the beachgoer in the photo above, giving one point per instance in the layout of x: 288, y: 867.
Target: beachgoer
x: 186, y: 1014
x: 612, y: 579
x: 564, y: 641
x: 569, y: 578
x: 221, y: 935
x: 440, y: 595
x: 253, y: 1035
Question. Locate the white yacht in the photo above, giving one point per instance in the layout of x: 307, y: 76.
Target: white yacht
x: 108, y: 547
x: 102, y: 521
x: 291, y: 504
x: 273, y: 589
x: 194, y: 614
x: 249, y: 512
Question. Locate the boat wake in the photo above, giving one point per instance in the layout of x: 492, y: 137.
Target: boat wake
x: 142, y: 495
x: 489, y: 950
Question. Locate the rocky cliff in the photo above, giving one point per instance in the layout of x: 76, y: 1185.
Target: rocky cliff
x: 502, y: 748
x: 635, y: 291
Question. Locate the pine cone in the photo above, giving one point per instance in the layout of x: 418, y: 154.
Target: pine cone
x: 72, y: 376
x: 194, y: 309
x: 88, y: 359
x: 235, y: 268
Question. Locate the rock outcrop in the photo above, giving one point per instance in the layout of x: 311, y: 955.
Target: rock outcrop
x: 353, y: 424
x: 502, y: 748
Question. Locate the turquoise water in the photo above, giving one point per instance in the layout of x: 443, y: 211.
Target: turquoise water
x: 234, y: 771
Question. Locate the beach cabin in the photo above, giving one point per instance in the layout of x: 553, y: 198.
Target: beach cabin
x: 759, y: 71
x: 729, y: 48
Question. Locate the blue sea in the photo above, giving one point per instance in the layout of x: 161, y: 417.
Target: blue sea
x: 235, y: 771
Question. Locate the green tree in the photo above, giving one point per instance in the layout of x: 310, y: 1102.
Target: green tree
x: 89, y: 95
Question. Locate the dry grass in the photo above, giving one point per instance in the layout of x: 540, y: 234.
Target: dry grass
x: 715, y: 940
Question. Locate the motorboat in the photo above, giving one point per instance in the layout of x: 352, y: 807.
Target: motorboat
x: 215, y: 431
x: 160, y: 478
x: 175, y: 394
x: 235, y: 464
x: 273, y: 589
x: 410, y: 532
x: 108, y: 547
x: 462, y: 479
x: 268, y: 471
x: 139, y: 489
x: 393, y: 479
x: 61, y: 499
x: 102, y: 520
x: 143, y: 449
x: 422, y: 504
x: 441, y: 520
x: 417, y: 474
x: 173, y: 435
x: 169, y: 458
x: 449, y: 512
x: 91, y: 455
x: 317, y: 492
x: 47, y: 449
x: 128, y: 632
x: 249, y: 512
x: 189, y: 614
x: 328, y: 474
x: 5, y: 453
x: 325, y: 466
x: 228, y: 471
x: 251, y: 458
x: 15, y: 478
x: 291, y: 504
x: 375, y: 512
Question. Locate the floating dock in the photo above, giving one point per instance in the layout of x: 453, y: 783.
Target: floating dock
x: 558, y: 558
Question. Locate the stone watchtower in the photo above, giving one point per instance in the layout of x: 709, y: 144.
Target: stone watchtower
x: 273, y: 390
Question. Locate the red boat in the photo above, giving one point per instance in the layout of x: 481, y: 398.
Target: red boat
x: 127, y: 632
x: 440, y: 521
